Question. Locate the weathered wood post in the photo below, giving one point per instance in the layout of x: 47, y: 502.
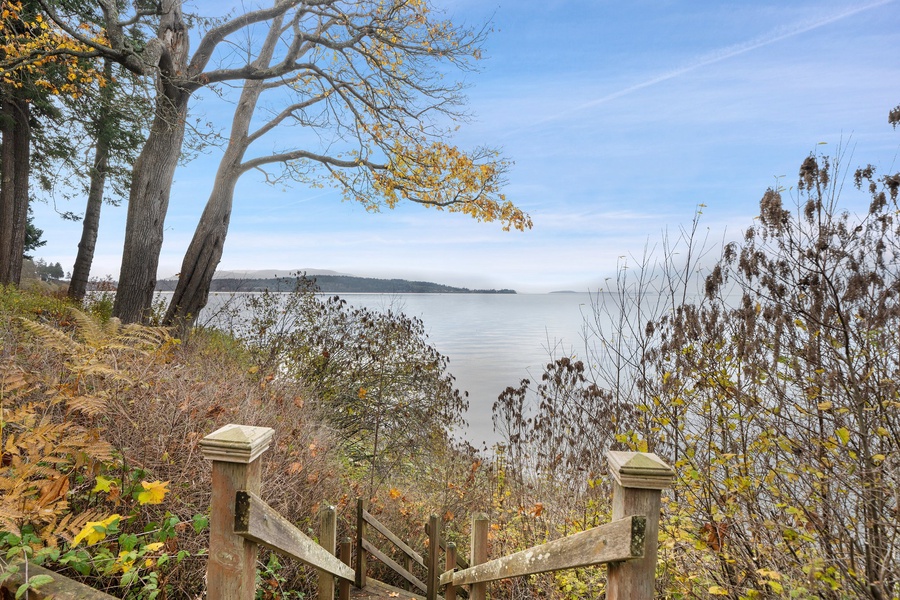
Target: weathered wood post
x: 328, y: 540
x: 450, y: 591
x: 434, y: 552
x: 481, y: 525
x: 234, y: 451
x: 360, y: 536
x: 639, y: 480
x: 408, y: 565
x: 346, y: 553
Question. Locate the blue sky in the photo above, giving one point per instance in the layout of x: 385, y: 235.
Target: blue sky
x: 621, y: 117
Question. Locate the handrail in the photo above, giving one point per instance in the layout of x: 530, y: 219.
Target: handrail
x: 379, y: 526
x: 612, y: 542
x: 240, y: 521
x: 363, y: 547
x: 387, y: 560
x: 257, y: 521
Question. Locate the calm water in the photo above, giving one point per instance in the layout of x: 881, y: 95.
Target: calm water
x: 492, y: 340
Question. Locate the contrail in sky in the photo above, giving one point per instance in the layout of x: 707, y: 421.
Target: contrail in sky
x: 724, y: 54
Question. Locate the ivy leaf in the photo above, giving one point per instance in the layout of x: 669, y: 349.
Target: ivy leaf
x: 153, y: 493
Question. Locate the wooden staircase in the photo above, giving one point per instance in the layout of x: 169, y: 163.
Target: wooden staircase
x: 240, y: 522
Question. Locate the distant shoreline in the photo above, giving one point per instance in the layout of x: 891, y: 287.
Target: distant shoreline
x: 334, y: 284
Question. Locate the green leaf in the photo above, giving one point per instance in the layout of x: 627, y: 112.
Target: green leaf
x: 201, y: 522
x: 9, y: 572
x: 37, y: 581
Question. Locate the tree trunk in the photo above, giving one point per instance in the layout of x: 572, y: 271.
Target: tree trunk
x: 205, y: 251
x: 91, y: 224
x: 15, y: 157
x: 153, y: 174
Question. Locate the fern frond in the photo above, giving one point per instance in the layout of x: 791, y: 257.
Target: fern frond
x: 51, y: 337
x: 142, y: 334
x: 102, y: 369
x: 89, y: 405
x: 89, y: 328
x: 11, y: 379
x: 113, y: 327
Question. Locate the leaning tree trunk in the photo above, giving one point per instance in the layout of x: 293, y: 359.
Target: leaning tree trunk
x: 91, y: 224
x: 205, y: 251
x: 153, y: 174
x: 15, y: 156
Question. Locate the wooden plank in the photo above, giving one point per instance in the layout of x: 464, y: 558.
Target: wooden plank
x: 434, y: 565
x: 613, y: 542
x: 387, y: 560
x: 328, y: 542
x: 361, y: 559
x: 636, y: 579
x: 61, y: 588
x: 231, y: 566
x: 378, y: 590
x: 257, y: 521
x: 461, y: 562
x: 478, y: 551
x: 450, y: 556
x: 371, y: 520
x: 346, y: 553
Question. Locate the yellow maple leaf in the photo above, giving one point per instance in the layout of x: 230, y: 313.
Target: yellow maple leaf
x: 153, y: 493
x: 95, y: 531
x: 394, y: 493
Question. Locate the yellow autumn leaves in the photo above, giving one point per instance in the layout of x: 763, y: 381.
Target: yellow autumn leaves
x: 96, y: 531
x: 29, y: 45
x: 442, y: 176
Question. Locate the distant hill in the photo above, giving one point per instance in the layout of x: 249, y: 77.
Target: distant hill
x: 332, y: 284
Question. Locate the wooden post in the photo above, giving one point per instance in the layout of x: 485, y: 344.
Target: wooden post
x: 639, y: 479
x: 328, y: 540
x: 450, y: 591
x: 434, y: 564
x: 479, y: 551
x: 346, y: 553
x: 360, y: 536
x: 408, y: 565
x: 233, y: 450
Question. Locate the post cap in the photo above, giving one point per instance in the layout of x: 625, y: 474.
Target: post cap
x: 236, y: 443
x: 642, y: 470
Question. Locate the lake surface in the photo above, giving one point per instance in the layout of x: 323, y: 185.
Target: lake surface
x: 492, y: 340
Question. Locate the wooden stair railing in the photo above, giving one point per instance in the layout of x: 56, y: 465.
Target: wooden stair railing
x: 240, y: 521
x: 364, y: 547
x: 628, y: 544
